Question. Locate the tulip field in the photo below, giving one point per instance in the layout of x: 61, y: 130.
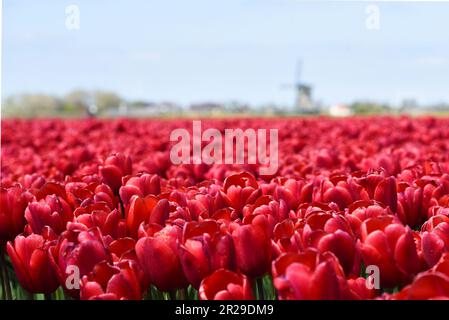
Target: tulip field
x: 96, y: 209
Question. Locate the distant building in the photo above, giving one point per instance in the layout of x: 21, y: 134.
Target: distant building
x: 237, y: 107
x: 123, y: 108
x: 340, y: 110
x: 440, y: 107
x: 92, y: 110
x: 207, y: 107
x: 145, y: 109
x: 167, y: 107
x: 409, y: 105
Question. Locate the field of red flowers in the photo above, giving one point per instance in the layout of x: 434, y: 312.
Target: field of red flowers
x: 95, y: 209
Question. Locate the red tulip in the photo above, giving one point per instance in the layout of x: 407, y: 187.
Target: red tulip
x: 342, y: 191
x: 253, y: 247
x: 53, y: 212
x: 241, y: 189
x: 107, y: 282
x: 437, y: 210
x: 225, y: 285
x: 114, y: 168
x: 431, y: 284
x: 390, y: 163
x: 123, y: 249
x: 439, y: 225
x: 158, y: 164
x: 435, y: 239
x: 386, y: 193
x: 294, y: 192
x: 32, y: 181
x: 286, y: 238
x: 148, y: 209
x: 360, y: 211
x: 158, y: 257
x: 207, y: 202
x: 107, y: 221
x: 81, y: 249
x: 31, y: 264
x: 273, y: 210
x: 391, y: 247
x: 426, y: 286
x: 104, y: 194
x: 441, y: 192
x: 412, y: 206
x: 77, y: 192
x: 204, y: 249
x: 309, y: 276
x: 13, y: 202
x: 138, y: 212
x: 331, y: 232
x: 360, y: 290
x: 339, y: 195
x: 142, y: 186
x: 381, y: 189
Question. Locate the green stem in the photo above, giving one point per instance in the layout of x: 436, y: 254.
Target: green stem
x: 148, y: 294
x: 65, y: 295
x: 28, y: 295
x: 259, y: 284
x: 6, y: 285
x: 155, y: 294
x: 182, y: 294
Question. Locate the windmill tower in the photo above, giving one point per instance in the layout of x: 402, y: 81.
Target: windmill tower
x: 304, y: 102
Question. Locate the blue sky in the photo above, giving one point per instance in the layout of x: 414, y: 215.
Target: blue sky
x: 197, y: 50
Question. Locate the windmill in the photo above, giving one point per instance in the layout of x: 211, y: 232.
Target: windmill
x: 303, y: 100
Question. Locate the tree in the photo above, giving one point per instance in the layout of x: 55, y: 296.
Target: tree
x: 32, y: 105
x: 78, y: 99
x: 106, y: 100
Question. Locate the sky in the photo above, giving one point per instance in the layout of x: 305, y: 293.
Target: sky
x: 198, y: 50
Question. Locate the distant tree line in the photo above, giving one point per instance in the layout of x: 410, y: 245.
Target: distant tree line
x: 75, y: 103
x: 80, y: 103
